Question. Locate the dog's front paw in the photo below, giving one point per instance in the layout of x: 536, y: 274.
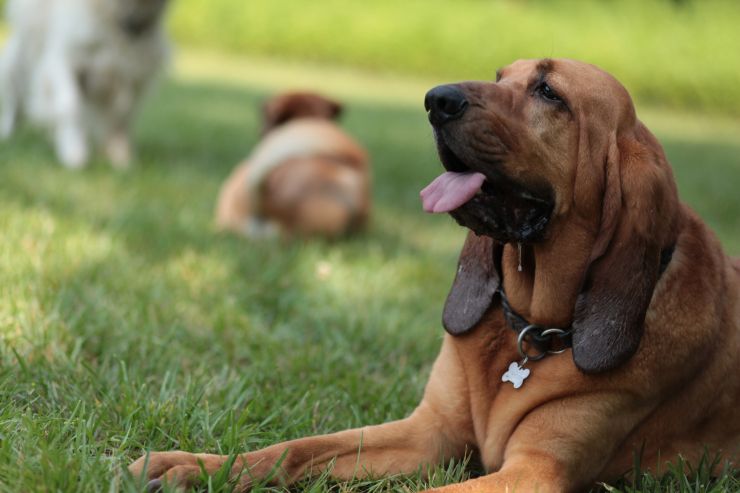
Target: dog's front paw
x: 71, y: 147
x: 118, y: 151
x: 180, y: 469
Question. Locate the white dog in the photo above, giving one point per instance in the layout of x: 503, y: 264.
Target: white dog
x: 79, y: 68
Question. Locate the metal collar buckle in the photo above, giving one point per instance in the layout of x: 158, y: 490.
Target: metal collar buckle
x: 543, y: 335
x: 516, y: 374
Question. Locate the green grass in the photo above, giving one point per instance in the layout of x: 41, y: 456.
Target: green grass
x: 127, y: 324
x: 676, y: 53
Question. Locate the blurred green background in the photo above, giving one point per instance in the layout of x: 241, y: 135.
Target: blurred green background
x: 128, y: 324
x: 671, y: 53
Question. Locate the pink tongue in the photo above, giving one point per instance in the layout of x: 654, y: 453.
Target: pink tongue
x: 451, y: 190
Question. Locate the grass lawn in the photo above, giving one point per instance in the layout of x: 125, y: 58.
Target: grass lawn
x: 127, y: 324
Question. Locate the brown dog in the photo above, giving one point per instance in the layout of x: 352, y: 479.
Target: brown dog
x: 306, y: 176
x: 581, y: 246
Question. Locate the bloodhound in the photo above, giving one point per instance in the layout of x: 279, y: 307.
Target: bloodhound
x: 306, y: 177
x: 593, y: 315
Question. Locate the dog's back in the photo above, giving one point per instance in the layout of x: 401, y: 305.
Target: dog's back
x: 304, y: 137
x: 306, y: 176
x: 28, y: 17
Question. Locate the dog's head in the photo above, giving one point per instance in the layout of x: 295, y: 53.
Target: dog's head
x: 293, y: 105
x: 137, y: 17
x: 552, y: 155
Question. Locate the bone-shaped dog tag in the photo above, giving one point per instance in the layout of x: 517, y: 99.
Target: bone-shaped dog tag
x: 516, y: 374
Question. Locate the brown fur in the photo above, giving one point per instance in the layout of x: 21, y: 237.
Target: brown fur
x: 673, y: 386
x: 294, y: 105
x: 312, y: 178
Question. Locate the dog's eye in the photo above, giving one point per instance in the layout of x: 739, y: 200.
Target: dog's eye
x: 548, y: 93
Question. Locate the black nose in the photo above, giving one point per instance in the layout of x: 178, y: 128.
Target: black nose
x: 445, y: 103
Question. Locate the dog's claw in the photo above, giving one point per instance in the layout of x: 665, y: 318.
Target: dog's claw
x: 154, y: 486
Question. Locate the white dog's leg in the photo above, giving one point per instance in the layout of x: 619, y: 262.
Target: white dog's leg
x: 67, y: 118
x: 10, y: 86
x: 70, y: 144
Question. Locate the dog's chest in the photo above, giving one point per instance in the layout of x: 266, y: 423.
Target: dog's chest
x: 106, y: 62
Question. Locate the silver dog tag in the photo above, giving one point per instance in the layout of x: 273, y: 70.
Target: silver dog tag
x: 516, y: 374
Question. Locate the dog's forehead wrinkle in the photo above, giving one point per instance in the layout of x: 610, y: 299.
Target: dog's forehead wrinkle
x: 537, y: 78
x: 545, y: 65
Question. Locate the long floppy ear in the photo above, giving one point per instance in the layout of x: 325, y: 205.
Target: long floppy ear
x: 274, y: 113
x: 285, y: 107
x: 335, y: 109
x: 637, y: 217
x: 475, y: 284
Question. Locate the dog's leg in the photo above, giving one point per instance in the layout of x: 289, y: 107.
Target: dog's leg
x: 438, y: 430
x: 70, y: 144
x: 404, y: 446
x: 116, y: 140
x: 11, y: 72
x: 58, y: 86
x: 559, y: 448
x: 531, y: 474
x: 118, y: 148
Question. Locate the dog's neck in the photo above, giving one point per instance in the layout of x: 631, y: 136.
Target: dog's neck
x: 547, y: 287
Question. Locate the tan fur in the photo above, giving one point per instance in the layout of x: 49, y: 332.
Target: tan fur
x: 564, y: 429
x: 306, y: 177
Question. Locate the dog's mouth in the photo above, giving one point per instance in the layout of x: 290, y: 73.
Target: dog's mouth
x: 486, y: 200
x: 454, y: 188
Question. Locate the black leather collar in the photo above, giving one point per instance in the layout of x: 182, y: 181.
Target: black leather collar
x: 561, y: 338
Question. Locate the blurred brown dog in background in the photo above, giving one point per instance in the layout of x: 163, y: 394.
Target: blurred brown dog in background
x: 305, y: 178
